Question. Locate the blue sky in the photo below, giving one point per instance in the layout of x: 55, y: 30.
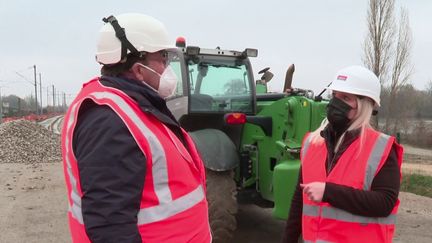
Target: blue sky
x: 319, y: 37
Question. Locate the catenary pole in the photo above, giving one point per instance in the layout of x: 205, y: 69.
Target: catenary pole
x: 35, y: 84
x: 40, y: 89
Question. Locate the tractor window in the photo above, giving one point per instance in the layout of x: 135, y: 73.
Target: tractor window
x: 221, y: 81
x: 220, y: 86
x: 176, y: 67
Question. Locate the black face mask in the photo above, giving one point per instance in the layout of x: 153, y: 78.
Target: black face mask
x: 337, y: 115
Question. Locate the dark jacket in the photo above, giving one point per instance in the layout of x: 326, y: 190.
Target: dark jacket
x: 111, y: 165
x: 378, y: 202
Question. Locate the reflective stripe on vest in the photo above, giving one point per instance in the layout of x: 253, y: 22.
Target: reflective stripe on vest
x: 305, y: 146
x: 75, y: 208
x: 374, y: 160
x: 342, y: 215
x: 167, y: 206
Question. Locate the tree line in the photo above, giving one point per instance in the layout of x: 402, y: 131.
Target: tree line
x: 404, y: 110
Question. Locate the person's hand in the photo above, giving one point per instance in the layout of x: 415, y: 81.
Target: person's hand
x: 314, y: 191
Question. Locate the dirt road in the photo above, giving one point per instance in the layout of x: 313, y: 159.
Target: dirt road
x: 33, y: 209
x: 413, y: 223
x: 33, y: 203
x: 417, y: 160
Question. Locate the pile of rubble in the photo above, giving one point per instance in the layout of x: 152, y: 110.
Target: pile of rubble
x: 26, y: 142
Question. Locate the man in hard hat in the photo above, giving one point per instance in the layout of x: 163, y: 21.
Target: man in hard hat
x: 132, y: 173
x: 350, y: 174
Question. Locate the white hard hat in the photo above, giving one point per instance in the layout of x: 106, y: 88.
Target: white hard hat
x: 359, y: 81
x: 142, y: 34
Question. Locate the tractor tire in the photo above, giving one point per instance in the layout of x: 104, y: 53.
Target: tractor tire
x: 221, y: 196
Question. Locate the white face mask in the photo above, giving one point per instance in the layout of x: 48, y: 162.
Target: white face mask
x: 167, y: 81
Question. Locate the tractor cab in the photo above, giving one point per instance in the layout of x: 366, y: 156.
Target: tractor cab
x: 212, y: 83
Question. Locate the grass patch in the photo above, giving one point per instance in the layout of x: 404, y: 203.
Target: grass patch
x: 417, y: 184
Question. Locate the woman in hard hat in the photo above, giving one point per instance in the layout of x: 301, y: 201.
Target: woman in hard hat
x: 132, y: 173
x: 350, y: 174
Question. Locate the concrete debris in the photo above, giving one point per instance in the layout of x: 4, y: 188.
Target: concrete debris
x: 26, y: 142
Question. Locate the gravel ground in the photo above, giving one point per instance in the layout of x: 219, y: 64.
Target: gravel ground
x: 33, y: 195
x: 414, y: 220
x: 26, y: 142
x: 256, y: 225
x: 33, y: 203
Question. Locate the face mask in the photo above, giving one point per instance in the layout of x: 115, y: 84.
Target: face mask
x: 167, y: 81
x: 337, y: 114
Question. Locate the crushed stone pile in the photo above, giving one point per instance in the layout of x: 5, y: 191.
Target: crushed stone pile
x: 26, y: 142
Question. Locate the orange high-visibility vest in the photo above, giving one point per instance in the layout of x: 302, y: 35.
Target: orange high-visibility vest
x: 323, y: 223
x: 173, y: 205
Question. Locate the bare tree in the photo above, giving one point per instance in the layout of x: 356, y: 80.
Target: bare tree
x: 387, y: 50
x: 429, y: 87
x: 378, y: 42
x: 402, y: 69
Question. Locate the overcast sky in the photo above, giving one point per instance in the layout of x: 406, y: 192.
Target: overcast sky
x: 319, y: 37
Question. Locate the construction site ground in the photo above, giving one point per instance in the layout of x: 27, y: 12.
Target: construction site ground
x: 33, y: 207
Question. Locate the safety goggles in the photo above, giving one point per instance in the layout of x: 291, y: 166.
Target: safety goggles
x: 167, y: 56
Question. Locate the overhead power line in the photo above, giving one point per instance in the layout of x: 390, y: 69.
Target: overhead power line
x: 23, y: 77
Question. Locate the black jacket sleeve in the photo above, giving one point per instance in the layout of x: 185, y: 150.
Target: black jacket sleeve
x: 112, y: 170
x: 378, y: 202
x: 293, y: 226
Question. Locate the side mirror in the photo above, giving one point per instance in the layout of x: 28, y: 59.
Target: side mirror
x: 267, y: 75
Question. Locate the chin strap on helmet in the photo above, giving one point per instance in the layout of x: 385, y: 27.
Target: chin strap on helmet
x: 121, y: 35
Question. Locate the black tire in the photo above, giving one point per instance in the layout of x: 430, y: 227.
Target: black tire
x: 221, y: 196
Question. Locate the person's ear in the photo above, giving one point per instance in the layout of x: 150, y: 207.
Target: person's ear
x: 136, y: 71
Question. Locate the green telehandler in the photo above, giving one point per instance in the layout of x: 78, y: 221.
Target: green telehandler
x: 249, y: 138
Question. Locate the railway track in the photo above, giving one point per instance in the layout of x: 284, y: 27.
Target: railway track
x: 53, y: 124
